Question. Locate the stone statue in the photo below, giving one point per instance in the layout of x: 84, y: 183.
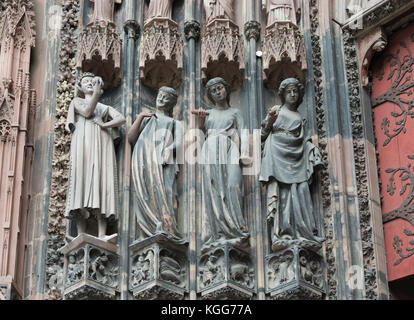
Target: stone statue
x: 93, y: 179
x: 104, y: 10
x: 219, y: 9
x: 289, y: 160
x: 222, y: 183
x: 155, y: 137
x: 160, y: 9
x: 280, y: 10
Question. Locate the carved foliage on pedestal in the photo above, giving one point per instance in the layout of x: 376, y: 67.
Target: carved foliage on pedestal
x: 222, y: 52
x: 100, y: 52
x: 226, y: 273
x: 161, y: 54
x: 283, y: 54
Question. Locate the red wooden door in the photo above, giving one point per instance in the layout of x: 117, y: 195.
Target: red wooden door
x: 393, y: 112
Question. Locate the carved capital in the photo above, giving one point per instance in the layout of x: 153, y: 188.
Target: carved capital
x: 192, y: 30
x: 132, y: 29
x: 252, y: 30
x: 376, y: 41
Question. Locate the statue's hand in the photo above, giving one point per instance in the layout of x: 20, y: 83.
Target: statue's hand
x: 202, y: 113
x: 99, y: 122
x: 246, y: 161
x: 166, y: 159
x: 148, y: 115
x: 272, y: 117
x: 98, y: 85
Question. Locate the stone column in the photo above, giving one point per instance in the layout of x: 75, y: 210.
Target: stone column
x: 192, y: 191
x: 131, y: 36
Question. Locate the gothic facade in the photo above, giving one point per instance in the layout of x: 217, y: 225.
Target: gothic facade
x: 197, y: 150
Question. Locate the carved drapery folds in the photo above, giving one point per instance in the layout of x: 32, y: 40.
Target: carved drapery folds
x: 91, y: 269
x: 222, y: 45
x: 161, y: 54
x: 17, y: 107
x: 283, y: 44
x: 158, y: 269
x: 100, y: 46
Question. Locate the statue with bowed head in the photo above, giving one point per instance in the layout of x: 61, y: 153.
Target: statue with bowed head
x: 92, y: 189
x: 155, y: 138
x: 223, y: 153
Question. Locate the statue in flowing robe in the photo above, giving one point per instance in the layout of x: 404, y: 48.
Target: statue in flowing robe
x: 280, y: 10
x: 222, y: 154
x: 155, y: 138
x: 93, y: 182
x: 160, y: 9
x: 289, y: 160
x: 104, y: 10
x: 219, y: 9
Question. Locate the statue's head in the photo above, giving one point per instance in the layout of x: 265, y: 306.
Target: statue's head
x: 218, y: 89
x: 290, y: 86
x: 86, y: 82
x: 166, y: 99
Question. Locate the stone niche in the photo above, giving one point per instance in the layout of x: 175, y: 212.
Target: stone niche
x: 226, y: 272
x: 222, y: 52
x: 161, y: 54
x: 100, y: 52
x: 91, y: 269
x: 295, y: 273
x: 158, y: 269
x: 283, y: 54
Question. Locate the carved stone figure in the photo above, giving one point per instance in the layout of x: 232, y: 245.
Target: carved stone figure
x: 155, y: 137
x: 219, y: 9
x: 92, y: 187
x: 222, y: 183
x: 280, y: 10
x: 160, y: 9
x: 289, y: 160
x: 211, y: 272
x: 102, y: 269
x: 104, y: 10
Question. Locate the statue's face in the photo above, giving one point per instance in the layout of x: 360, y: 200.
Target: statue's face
x: 292, y: 94
x: 218, y: 92
x: 87, y: 85
x: 165, y: 100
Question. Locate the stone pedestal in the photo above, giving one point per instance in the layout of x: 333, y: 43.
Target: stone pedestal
x: 158, y: 269
x: 295, y: 273
x: 222, y: 52
x: 283, y: 54
x: 161, y: 54
x: 100, y: 52
x: 91, y: 269
x: 226, y: 272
